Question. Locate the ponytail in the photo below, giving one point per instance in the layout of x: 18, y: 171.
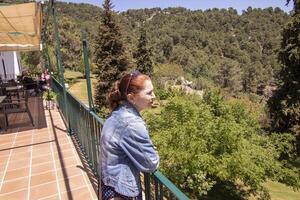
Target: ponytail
x: 114, y: 96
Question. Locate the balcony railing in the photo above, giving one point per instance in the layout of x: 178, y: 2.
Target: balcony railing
x: 86, y: 126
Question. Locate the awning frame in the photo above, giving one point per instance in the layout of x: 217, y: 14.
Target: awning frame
x: 20, y: 27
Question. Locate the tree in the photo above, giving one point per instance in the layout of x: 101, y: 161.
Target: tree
x: 251, y: 77
x: 216, y: 147
x: 229, y: 76
x: 109, y: 55
x: 143, y: 55
x: 31, y: 61
x: 285, y: 102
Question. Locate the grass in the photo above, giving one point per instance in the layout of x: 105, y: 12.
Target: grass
x: 72, y: 77
x: 77, y: 85
x: 79, y: 89
x: 280, y: 191
x: 72, y: 74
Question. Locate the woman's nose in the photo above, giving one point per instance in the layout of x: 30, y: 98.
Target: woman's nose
x: 153, y: 95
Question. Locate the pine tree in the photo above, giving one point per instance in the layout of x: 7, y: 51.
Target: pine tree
x: 229, y: 76
x: 110, y: 57
x: 143, y: 55
x: 285, y: 102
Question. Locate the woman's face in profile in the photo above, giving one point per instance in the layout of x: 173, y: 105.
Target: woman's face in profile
x: 144, y: 99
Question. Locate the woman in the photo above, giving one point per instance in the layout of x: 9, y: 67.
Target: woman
x: 126, y: 148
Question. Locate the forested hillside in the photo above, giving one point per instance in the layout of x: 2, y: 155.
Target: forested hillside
x: 216, y: 47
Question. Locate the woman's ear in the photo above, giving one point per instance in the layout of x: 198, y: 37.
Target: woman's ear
x: 130, y: 97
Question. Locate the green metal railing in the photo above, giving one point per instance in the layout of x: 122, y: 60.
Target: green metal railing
x: 86, y: 126
x: 83, y: 124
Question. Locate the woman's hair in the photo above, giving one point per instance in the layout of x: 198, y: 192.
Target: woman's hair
x: 129, y: 83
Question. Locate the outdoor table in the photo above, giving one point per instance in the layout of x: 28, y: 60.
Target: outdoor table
x: 11, y: 90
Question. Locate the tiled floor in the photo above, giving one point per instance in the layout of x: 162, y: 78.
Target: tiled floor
x: 42, y: 162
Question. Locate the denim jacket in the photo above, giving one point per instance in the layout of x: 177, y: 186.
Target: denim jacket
x: 126, y: 150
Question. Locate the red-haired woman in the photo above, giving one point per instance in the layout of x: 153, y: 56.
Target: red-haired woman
x: 126, y: 148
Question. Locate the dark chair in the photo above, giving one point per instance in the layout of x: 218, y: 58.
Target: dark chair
x: 30, y: 85
x: 17, y: 106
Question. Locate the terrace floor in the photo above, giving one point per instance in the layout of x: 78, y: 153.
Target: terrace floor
x: 42, y: 162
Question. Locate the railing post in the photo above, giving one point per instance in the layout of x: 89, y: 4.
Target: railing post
x: 147, y: 186
x: 87, y: 69
x: 60, y: 65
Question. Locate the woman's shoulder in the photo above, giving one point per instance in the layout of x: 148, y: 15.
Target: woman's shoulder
x: 125, y: 119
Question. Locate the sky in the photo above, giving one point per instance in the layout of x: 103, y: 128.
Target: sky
x: 239, y: 5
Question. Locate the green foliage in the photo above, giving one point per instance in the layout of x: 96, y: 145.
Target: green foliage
x: 110, y: 58
x: 163, y: 94
x: 31, y: 62
x: 143, y: 55
x: 229, y: 76
x: 170, y: 71
x: 285, y: 102
x: 197, y: 41
x: 217, y: 148
x: 49, y: 95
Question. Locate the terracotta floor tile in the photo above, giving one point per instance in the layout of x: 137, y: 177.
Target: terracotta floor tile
x: 71, y: 183
x: 42, y: 152
x: 7, y: 138
x: 43, y: 141
x: 25, y: 139
x: 17, y: 164
x: 55, y: 197
x: 45, y: 167
x: 20, y: 156
x: 5, y: 146
x: 15, y: 195
x: 16, y: 173
x: 60, y: 133
x: 64, y: 154
x: 41, y: 146
x: 22, y: 144
x: 60, y: 142
x: 21, y: 149
x: 3, y: 159
x: 66, y: 162
x: 11, y: 186
x: 93, y: 190
x: 41, y: 132
x: 61, y: 148
x: 69, y: 171
x: 42, y: 178
x: 4, y: 153
x: 65, y: 147
x: 17, y: 158
x: 43, y: 135
x: 42, y: 159
x: 42, y: 191
x: 2, y: 167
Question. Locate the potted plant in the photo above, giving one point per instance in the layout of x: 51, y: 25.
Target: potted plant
x: 49, y: 96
